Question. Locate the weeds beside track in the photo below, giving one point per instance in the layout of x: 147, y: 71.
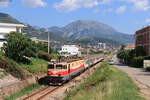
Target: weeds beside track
x: 107, y: 83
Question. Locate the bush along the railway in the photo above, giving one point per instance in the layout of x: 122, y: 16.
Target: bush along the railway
x: 44, y: 55
x: 106, y: 83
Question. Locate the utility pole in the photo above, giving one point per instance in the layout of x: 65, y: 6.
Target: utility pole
x: 48, y: 39
x: 48, y: 43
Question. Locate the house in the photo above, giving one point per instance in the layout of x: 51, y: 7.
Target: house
x: 70, y: 50
x: 143, y: 39
x: 129, y: 47
x: 102, y: 46
x: 7, y: 25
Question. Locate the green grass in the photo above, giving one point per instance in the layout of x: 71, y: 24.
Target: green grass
x: 22, y: 92
x: 37, y: 66
x: 106, y: 83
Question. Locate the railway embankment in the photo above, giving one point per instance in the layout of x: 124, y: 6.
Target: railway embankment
x: 106, y: 83
x: 16, y: 76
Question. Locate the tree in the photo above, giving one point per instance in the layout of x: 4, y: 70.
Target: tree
x: 42, y: 46
x: 18, y: 47
x: 126, y: 56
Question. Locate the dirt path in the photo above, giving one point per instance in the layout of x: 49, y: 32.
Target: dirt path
x: 140, y: 77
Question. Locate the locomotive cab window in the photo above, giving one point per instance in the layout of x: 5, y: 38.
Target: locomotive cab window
x: 50, y: 66
x: 58, y: 66
x: 61, y: 67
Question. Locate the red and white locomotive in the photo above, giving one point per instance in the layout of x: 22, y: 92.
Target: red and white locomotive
x: 63, y: 71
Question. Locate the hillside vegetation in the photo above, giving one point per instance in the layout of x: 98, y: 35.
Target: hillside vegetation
x: 107, y: 83
x: 23, y: 57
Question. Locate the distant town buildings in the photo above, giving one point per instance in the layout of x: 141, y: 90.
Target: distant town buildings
x: 102, y: 46
x: 7, y: 27
x: 129, y: 46
x: 143, y: 39
x: 70, y: 50
x: 35, y: 39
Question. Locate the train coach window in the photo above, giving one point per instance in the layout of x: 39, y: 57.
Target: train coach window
x: 51, y: 66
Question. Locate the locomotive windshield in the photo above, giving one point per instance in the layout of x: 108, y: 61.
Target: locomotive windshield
x: 61, y: 67
x: 50, y: 66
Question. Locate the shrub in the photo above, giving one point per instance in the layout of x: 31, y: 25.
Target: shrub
x: 18, y: 47
x: 126, y: 56
x: 138, y: 62
x: 11, y: 67
x: 45, y: 56
x: 42, y: 46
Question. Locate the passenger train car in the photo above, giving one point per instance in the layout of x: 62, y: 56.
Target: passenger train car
x: 63, y: 71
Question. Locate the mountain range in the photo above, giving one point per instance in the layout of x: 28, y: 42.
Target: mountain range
x: 80, y: 31
x: 87, y: 29
x: 5, y: 18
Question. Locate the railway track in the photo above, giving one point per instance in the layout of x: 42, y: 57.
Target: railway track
x: 40, y: 94
x: 43, y: 92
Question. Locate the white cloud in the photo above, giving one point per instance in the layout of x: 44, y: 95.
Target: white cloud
x: 140, y: 4
x: 147, y: 20
x: 4, y: 3
x: 137, y: 4
x: 121, y: 9
x: 71, y: 5
x: 34, y: 3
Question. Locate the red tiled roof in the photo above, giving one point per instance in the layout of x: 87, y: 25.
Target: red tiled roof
x: 130, y: 46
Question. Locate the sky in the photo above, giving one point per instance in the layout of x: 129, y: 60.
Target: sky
x: 126, y: 16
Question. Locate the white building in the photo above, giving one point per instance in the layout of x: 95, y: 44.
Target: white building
x: 102, y: 46
x: 70, y: 50
x: 6, y: 28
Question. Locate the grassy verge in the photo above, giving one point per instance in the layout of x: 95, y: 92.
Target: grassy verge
x: 107, y: 83
x: 22, y: 71
x: 22, y: 92
x: 37, y: 66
